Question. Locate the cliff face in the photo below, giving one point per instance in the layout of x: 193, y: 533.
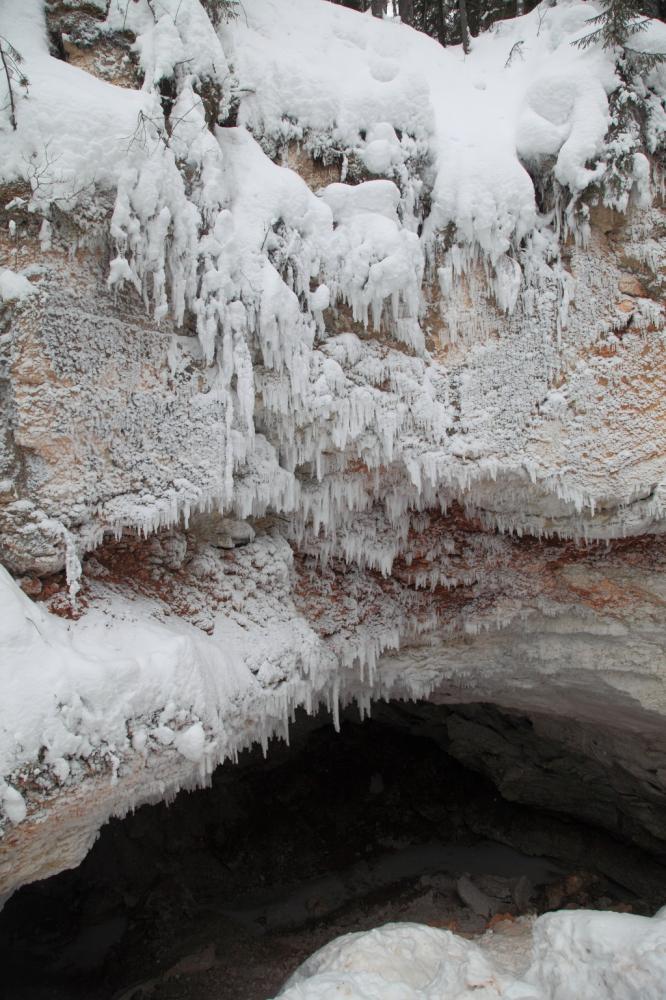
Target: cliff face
x: 332, y: 367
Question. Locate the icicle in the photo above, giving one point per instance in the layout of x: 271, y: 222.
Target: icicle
x: 336, y: 703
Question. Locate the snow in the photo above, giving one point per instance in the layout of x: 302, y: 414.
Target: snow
x: 598, y: 956
x: 408, y: 960
x: 191, y: 742
x: 382, y: 150
x: 178, y: 34
x: 73, y: 128
x: 14, y: 287
x: 88, y: 685
x: 610, y: 956
x: 13, y: 803
x: 126, y: 681
x: 479, y: 118
x: 474, y: 120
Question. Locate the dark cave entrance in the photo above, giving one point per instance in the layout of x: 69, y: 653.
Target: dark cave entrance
x: 224, y: 892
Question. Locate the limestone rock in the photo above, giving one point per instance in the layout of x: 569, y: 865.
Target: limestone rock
x: 478, y: 901
x: 630, y: 285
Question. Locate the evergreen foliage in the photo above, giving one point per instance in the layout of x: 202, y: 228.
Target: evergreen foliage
x: 221, y: 10
x: 617, y: 24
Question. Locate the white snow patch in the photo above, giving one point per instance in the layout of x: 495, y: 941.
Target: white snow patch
x: 12, y: 803
x: 191, y: 742
x: 14, y: 287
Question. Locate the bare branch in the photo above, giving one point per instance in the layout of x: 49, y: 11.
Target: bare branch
x: 516, y: 50
x: 11, y: 60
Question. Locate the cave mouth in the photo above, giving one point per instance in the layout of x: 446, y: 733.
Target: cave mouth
x: 226, y: 890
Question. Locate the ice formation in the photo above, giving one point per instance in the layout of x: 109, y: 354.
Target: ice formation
x: 319, y: 315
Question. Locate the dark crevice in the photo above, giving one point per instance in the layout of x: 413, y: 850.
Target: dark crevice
x: 168, y: 91
x: 56, y: 45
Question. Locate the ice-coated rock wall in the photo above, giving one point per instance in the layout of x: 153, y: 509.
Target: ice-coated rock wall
x: 331, y: 367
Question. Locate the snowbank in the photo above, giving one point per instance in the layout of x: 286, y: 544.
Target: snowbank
x: 598, y: 956
x: 73, y: 129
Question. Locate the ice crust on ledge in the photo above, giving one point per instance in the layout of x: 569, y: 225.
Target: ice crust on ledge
x: 119, y: 682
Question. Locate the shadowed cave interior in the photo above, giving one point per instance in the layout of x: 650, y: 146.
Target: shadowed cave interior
x: 460, y: 816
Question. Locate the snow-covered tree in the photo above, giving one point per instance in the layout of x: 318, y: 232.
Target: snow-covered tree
x: 616, y: 26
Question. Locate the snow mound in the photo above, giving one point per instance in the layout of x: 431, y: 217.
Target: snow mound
x: 401, y: 960
x: 383, y: 94
x: 598, y: 956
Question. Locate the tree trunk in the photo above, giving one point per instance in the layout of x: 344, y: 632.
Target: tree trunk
x: 464, y: 26
x: 378, y: 8
x: 441, y: 22
x: 406, y: 8
x: 474, y: 17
